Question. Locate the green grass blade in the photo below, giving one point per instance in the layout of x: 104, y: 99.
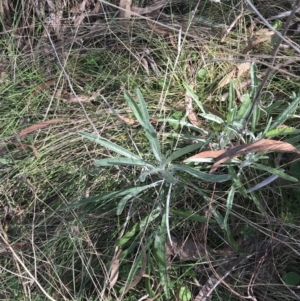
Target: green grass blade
x: 139, y: 227
x: 184, y: 123
x: 283, y: 131
x: 191, y: 216
x: 231, y: 96
x: 133, y: 192
x: 135, y: 109
x: 202, y: 175
x: 258, y: 204
x: 97, y: 198
x: 160, y: 255
x: 195, y: 98
x: 285, y: 114
x: 110, y: 145
x: 154, y: 143
x: 142, y: 116
x: 274, y: 171
x: 167, y: 175
x: 143, y: 106
x: 217, y: 216
x: 229, y: 203
x: 212, y: 117
x: 122, y: 161
x: 254, y: 84
x: 237, y: 183
x: 243, y: 110
x: 183, y: 151
x: 267, y: 127
x: 168, y: 201
x: 133, y: 270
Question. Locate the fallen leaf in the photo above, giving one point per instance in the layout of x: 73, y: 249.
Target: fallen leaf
x: 263, y: 145
x: 128, y: 121
x: 79, y: 7
x: 114, y: 272
x: 79, y: 19
x: 189, y: 112
x: 262, y: 35
x: 38, y: 126
x: 237, y: 72
x: 258, y: 146
x: 208, y: 154
x: 125, y: 9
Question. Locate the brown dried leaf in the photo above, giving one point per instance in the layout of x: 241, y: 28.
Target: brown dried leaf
x: 128, y: 121
x: 125, y: 9
x: 258, y: 146
x: 208, y: 154
x: 262, y: 35
x: 189, y: 112
x: 79, y: 7
x: 114, y: 272
x: 38, y: 126
x: 79, y: 19
x: 237, y: 72
x: 98, y: 8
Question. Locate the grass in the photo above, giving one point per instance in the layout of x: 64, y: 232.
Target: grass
x: 65, y: 218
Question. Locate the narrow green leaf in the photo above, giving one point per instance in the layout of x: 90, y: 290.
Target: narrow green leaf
x: 285, y: 114
x: 237, y: 183
x: 274, y: 171
x: 168, y: 204
x: 139, y: 227
x: 154, y: 143
x: 97, y: 198
x: 254, y: 87
x: 212, y: 117
x: 293, y: 140
x: 110, y: 145
x: 282, y: 131
x: 183, y: 151
x: 257, y: 202
x: 217, y: 216
x: 133, y: 270
x: 191, y: 216
x: 135, y: 108
x: 142, y: 105
x: 168, y: 177
x: 149, y: 129
x: 184, y: 123
x: 142, y: 116
x: 229, y: 203
x: 243, y: 109
x: 122, y: 161
x: 202, y: 175
x: 160, y: 254
x: 133, y: 193
x: 267, y: 127
x: 231, y: 96
x: 195, y: 98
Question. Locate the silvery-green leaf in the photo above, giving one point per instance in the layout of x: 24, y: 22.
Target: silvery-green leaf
x: 110, y: 145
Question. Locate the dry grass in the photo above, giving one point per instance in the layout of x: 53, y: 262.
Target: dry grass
x: 44, y: 69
